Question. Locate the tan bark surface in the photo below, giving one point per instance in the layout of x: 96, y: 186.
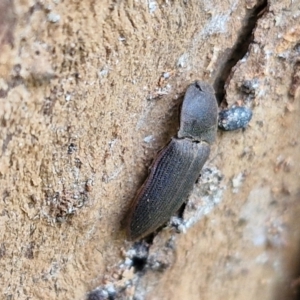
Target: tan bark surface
x: 90, y: 91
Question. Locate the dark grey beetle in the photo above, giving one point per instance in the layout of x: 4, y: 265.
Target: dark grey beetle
x: 177, y: 166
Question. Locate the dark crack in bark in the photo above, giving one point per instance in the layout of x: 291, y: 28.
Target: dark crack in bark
x: 239, y: 49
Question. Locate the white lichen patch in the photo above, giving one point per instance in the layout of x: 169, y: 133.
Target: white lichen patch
x: 148, y: 139
x: 217, y: 24
x: 237, y: 182
x: 183, y: 60
x: 261, y: 227
x: 53, y: 17
x: 206, y: 196
x: 152, y: 5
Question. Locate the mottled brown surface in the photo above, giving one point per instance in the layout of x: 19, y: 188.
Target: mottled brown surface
x: 79, y: 87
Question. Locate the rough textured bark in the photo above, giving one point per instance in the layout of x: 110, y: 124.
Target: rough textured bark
x: 89, y: 92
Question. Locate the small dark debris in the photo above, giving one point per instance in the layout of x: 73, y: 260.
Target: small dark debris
x: 72, y: 148
x: 104, y: 293
x: 170, y: 244
x: 17, y: 69
x: 7, y: 22
x: 234, y: 118
x: 98, y: 294
x: 5, y: 195
x: 16, y: 81
x: 3, y: 93
x: 88, y: 186
x: 139, y: 260
x: 78, y: 163
x: 6, y: 141
x: 260, y: 123
x: 294, y: 88
x: 29, y: 251
x: 297, y: 48
x: 2, y: 250
x: 250, y: 86
x: 49, y: 104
